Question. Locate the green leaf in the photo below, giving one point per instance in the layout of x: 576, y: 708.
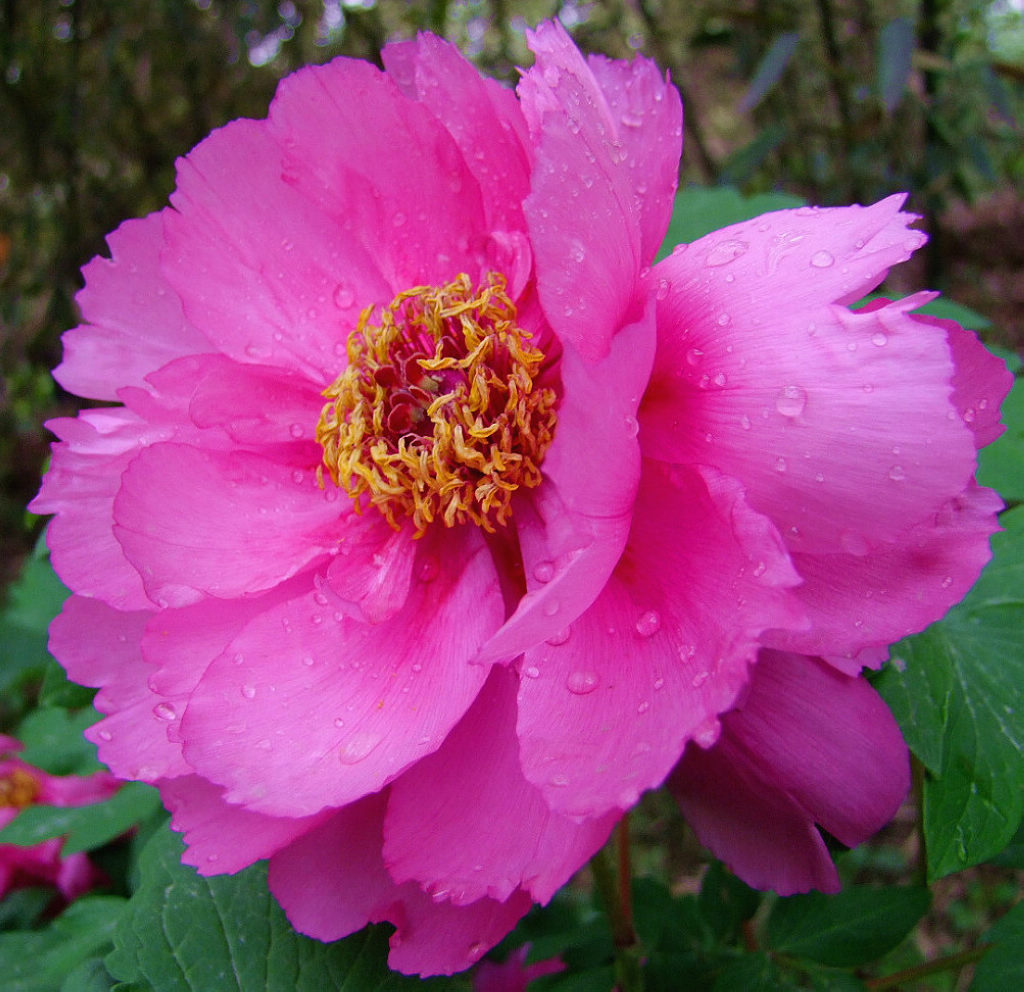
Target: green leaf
x: 751, y: 973
x: 699, y: 210
x: 1002, y: 968
x: 89, y: 976
x: 34, y: 600
x: 86, y: 827
x: 947, y: 309
x: 770, y: 69
x: 895, y: 56
x: 185, y: 933
x: 955, y: 700
x: 1001, y: 464
x: 853, y: 927
x: 40, y: 960
x: 725, y: 902
x: 53, y: 741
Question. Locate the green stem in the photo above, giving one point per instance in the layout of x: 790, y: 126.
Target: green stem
x: 953, y: 962
x: 616, y: 894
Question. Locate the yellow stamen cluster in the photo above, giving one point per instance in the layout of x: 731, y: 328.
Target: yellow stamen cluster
x: 438, y: 416
x: 18, y: 789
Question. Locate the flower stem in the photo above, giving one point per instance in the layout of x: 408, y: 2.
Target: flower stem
x: 617, y: 896
x: 950, y: 963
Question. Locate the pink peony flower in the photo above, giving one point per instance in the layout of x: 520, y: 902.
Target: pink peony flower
x: 22, y: 785
x: 436, y: 524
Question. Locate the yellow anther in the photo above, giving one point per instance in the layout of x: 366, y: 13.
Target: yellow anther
x: 438, y: 415
x: 18, y: 789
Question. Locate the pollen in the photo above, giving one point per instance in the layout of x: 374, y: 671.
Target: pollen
x: 439, y: 416
x: 18, y: 789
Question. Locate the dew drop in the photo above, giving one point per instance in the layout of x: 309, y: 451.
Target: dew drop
x: 581, y: 683
x: 399, y: 219
x: 720, y: 379
x: 320, y: 598
x: 249, y: 691
x: 643, y: 707
x: 560, y: 636
x: 947, y: 581
x: 694, y: 355
x: 879, y: 340
x: 106, y: 735
x: 780, y: 464
x: 724, y: 320
x: 822, y: 260
x: 663, y: 288
x: 339, y: 723
x: 707, y: 733
x: 164, y: 711
x: 726, y: 251
x: 659, y: 683
x: 428, y: 568
x: 699, y: 679
x: 819, y: 476
x: 307, y: 660
x: 551, y: 607
x: 298, y: 476
x: 532, y: 672
x: 745, y: 422
x: 649, y: 623
x: 544, y: 571
x: 357, y: 747
x: 559, y: 781
x: 343, y: 296
x: 760, y: 569
x: 632, y: 427
x: 897, y: 474
x: 296, y: 430
x: 791, y: 401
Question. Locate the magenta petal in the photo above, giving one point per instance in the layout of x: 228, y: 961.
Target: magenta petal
x: 221, y: 838
x: 606, y: 706
x: 259, y: 268
x: 465, y: 824
x: 84, y: 478
x: 332, y: 882
x: 133, y: 321
x: 99, y: 646
x: 481, y: 115
x: 838, y: 423
x: 350, y: 134
x: 594, y: 155
x: 200, y: 522
x: 895, y: 589
x: 573, y: 529
x: 797, y: 748
x: 336, y: 708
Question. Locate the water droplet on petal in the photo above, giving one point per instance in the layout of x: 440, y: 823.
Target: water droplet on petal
x: 559, y: 781
x: 822, y: 260
x: 663, y: 288
x: 249, y: 691
x: 897, y: 474
x: 699, y: 679
x: 694, y: 355
x: 791, y: 401
x: 581, y: 683
x: 745, y: 422
x: 106, y: 735
x: 707, y: 733
x: 780, y: 464
x: 343, y: 296
x: 724, y: 320
x: 760, y: 569
x: 544, y: 571
x: 560, y: 636
x: 643, y: 707
x: 947, y: 581
x: 164, y: 711
x: 726, y: 251
x: 398, y: 219
x: 357, y: 747
x: 532, y: 672
x: 428, y: 568
x: 551, y: 607
x: 649, y: 623
x: 879, y: 340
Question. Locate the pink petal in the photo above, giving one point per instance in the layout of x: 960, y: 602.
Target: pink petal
x: 331, y: 882
x: 266, y: 275
x: 480, y: 114
x: 212, y: 523
x: 587, y: 179
x: 895, y: 589
x: 133, y: 321
x: 80, y: 487
x: 574, y: 527
x: 606, y: 706
x: 99, y: 646
x: 808, y: 745
x: 374, y: 568
x: 350, y: 134
x: 335, y: 708
x: 465, y: 824
x: 838, y: 423
x: 221, y: 838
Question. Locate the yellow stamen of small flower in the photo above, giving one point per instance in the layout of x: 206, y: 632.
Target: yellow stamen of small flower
x: 18, y: 789
x: 438, y: 416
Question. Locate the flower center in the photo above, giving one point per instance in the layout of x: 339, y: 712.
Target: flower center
x: 18, y: 789
x: 438, y: 415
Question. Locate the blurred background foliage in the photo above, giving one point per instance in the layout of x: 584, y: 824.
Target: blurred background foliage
x: 834, y: 100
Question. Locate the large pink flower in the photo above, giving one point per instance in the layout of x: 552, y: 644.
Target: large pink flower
x: 23, y: 785
x: 436, y: 524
